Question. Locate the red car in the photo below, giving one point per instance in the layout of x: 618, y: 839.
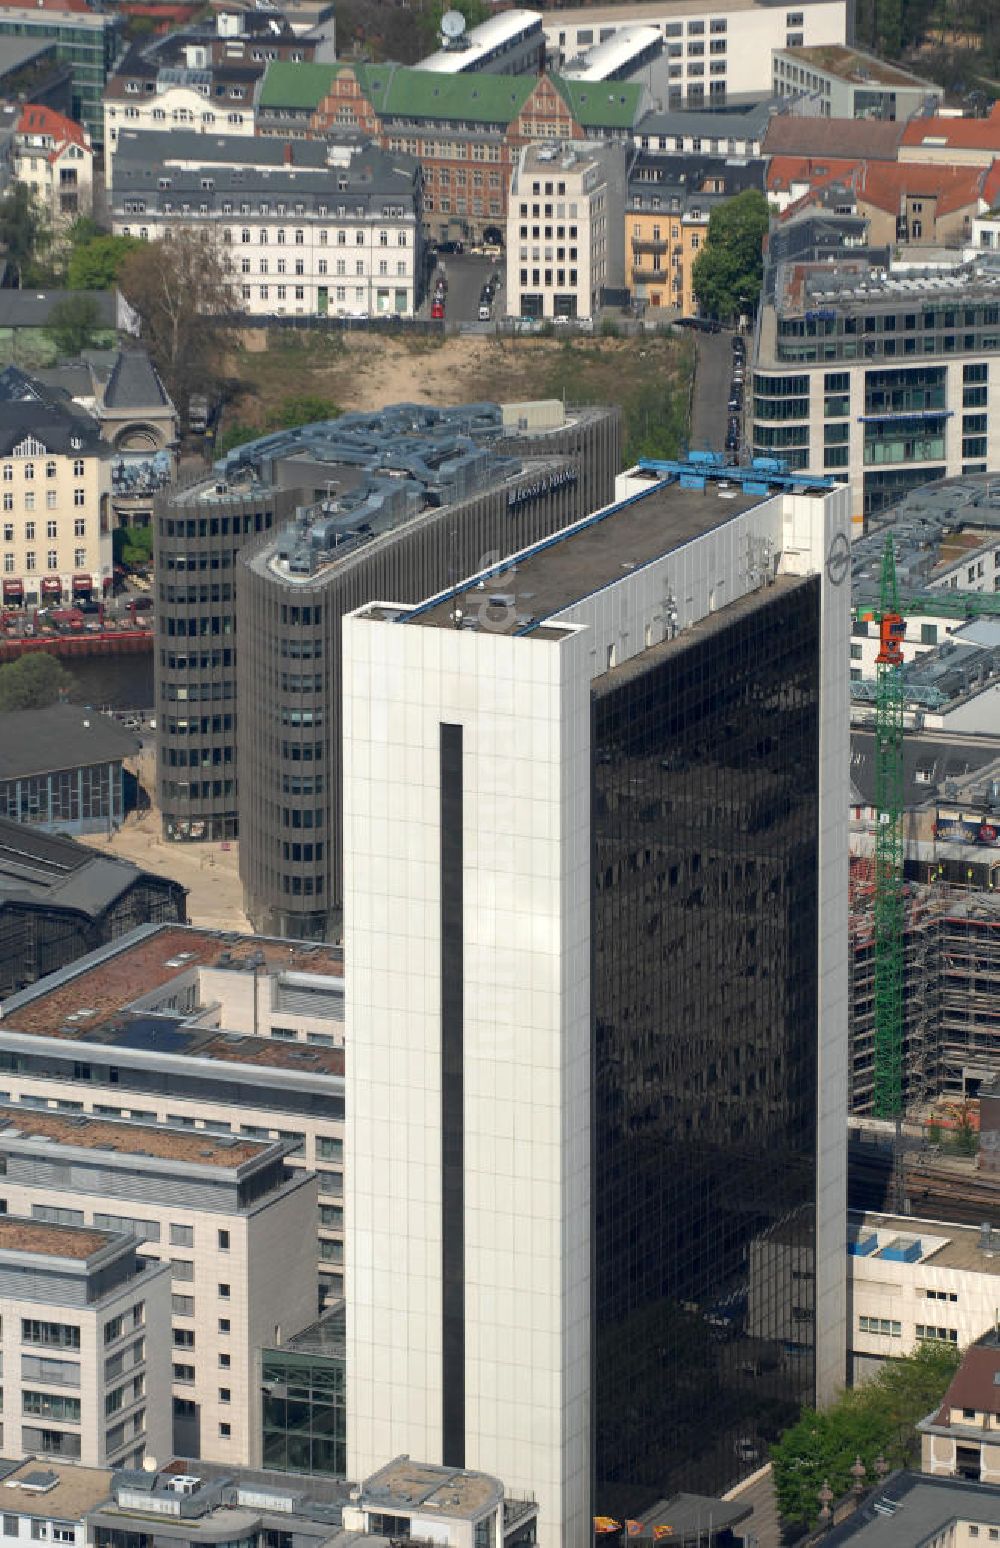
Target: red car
x: 437, y: 311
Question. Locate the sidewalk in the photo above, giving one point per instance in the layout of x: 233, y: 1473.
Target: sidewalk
x: 210, y: 872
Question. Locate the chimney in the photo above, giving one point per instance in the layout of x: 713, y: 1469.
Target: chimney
x: 288, y: 153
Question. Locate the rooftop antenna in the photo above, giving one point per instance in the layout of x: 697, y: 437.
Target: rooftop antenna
x: 452, y: 28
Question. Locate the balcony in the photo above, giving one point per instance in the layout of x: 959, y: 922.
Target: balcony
x: 642, y: 276
x: 649, y: 245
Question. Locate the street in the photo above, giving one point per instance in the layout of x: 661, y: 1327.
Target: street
x: 711, y: 391
x: 466, y: 274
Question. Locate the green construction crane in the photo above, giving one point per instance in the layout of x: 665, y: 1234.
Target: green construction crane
x: 889, y: 905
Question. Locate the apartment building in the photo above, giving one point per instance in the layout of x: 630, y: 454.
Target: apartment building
x: 54, y: 156
x: 307, y: 229
x: 588, y: 792
x: 734, y: 131
x: 55, y: 521
x: 234, y: 1224
x: 87, y: 1341
x: 202, y: 1031
x: 720, y: 52
x: 89, y: 41
x: 848, y: 83
x: 884, y: 380
x: 922, y: 205
x: 203, y: 77
x: 466, y: 130
x: 668, y: 204
x: 961, y: 1438
x: 565, y: 234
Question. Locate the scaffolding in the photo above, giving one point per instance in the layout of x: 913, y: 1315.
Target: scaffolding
x: 950, y: 975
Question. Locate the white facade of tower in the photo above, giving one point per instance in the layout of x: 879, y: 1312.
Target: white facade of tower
x: 523, y: 707
x: 523, y: 703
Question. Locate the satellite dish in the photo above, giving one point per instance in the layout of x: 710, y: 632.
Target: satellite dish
x: 453, y: 25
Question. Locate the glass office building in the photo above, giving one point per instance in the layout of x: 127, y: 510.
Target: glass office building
x: 705, y: 868
x: 596, y: 799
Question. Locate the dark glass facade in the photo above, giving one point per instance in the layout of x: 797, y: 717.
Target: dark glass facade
x: 705, y: 928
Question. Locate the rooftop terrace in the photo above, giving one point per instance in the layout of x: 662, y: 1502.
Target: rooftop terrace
x: 82, y: 1132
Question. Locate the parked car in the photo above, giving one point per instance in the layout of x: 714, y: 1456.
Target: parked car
x: 437, y: 311
x: 484, y: 311
x: 451, y: 247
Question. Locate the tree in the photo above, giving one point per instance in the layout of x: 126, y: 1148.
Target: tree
x: 728, y: 271
x: 180, y: 287
x: 94, y: 263
x: 303, y: 410
x: 32, y: 682
x: 24, y: 233
x: 73, y: 323
x: 869, y: 1422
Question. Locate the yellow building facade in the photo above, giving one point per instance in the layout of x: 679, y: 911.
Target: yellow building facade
x: 55, y: 503
x: 660, y: 249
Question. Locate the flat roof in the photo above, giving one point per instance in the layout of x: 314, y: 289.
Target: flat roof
x: 554, y: 574
x: 854, y: 66
x: 421, y: 1486
x: 79, y: 1130
x: 53, y: 1489
x: 961, y: 1249
x: 97, y: 1003
x: 42, y: 1239
x: 646, y: 10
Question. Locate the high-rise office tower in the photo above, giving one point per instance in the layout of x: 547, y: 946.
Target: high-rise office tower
x: 595, y: 808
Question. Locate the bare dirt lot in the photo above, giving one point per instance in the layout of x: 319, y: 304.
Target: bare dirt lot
x: 648, y: 376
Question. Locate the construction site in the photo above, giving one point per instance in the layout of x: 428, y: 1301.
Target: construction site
x: 924, y: 910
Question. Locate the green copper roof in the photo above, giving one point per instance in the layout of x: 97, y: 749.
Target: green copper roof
x: 395, y: 91
x: 601, y: 104
x: 296, y: 85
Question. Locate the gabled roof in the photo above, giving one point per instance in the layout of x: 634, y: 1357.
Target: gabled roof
x: 976, y: 1383
x: 395, y: 91
x: 874, y: 139
x: 885, y: 185
x: 134, y: 383
x: 961, y: 133
x: 38, y: 120
x: 785, y: 171
x: 61, y: 431
x: 63, y: 736
x: 601, y: 104
x: 296, y: 85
